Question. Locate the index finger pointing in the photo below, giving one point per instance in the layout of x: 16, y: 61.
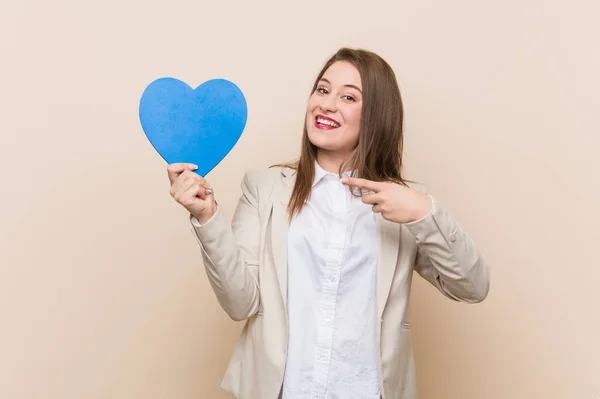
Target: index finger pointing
x: 362, y: 183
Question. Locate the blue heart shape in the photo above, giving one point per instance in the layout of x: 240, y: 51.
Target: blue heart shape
x: 198, y: 126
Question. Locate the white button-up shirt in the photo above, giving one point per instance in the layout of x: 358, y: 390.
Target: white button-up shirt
x: 332, y: 285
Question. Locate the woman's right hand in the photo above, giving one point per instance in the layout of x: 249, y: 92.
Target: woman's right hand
x: 192, y: 191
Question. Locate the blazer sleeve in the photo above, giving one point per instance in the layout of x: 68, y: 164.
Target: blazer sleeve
x: 230, y: 253
x: 447, y: 257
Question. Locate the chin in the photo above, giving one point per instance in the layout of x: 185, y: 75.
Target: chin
x: 331, y: 140
x: 320, y: 140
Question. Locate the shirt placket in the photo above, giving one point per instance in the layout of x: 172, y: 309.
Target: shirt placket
x: 330, y: 285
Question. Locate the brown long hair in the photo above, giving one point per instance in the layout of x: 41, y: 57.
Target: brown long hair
x: 378, y: 155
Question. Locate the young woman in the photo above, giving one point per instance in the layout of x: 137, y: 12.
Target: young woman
x: 319, y: 258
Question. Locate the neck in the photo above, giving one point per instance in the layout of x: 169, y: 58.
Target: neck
x: 331, y: 161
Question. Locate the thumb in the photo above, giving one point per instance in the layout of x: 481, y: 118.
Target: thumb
x: 175, y: 169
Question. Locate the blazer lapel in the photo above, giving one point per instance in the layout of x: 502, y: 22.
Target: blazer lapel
x: 389, y: 243
x: 279, y: 228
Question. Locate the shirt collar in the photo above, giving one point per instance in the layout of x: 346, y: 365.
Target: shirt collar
x: 320, y: 173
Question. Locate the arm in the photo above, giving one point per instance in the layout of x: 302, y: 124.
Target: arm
x: 230, y: 254
x: 448, y: 258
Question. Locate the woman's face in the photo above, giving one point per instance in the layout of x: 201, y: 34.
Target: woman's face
x: 334, y: 109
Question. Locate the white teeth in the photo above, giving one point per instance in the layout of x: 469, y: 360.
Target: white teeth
x: 327, y: 122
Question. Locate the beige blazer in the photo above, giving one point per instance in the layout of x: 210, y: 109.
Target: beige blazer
x: 246, y: 264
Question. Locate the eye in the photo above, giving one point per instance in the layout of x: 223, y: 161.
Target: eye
x: 322, y: 90
x: 349, y: 98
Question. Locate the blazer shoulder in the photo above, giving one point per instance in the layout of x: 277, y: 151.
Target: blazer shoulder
x: 260, y: 182
x: 423, y: 188
x: 265, y: 176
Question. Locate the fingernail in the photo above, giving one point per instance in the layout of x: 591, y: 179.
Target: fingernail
x: 194, y: 167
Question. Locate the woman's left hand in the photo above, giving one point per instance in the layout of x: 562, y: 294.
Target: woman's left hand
x: 395, y: 202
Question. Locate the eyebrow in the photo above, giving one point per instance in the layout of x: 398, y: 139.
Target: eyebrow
x: 352, y: 86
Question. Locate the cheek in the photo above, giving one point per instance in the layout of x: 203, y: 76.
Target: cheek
x: 352, y: 118
x: 311, y: 104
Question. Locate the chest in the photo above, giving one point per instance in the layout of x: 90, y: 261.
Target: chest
x: 334, y: 229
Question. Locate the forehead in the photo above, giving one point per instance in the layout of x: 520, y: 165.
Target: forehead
x: 343, y: 73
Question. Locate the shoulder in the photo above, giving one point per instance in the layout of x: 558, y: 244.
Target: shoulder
x: 264, y: 178
x: 265, y: 175
x: 418, y: 186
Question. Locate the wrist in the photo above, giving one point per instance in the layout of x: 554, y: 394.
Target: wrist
x: 206, y: 216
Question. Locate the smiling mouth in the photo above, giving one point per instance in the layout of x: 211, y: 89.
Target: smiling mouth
x: 325, y: 123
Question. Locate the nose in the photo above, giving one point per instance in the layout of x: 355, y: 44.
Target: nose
x: 329, y: 104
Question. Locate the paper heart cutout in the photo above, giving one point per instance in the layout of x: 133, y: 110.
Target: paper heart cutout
x: 198, y: 126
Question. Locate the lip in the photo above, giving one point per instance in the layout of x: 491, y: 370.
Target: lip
x: 325, y: 127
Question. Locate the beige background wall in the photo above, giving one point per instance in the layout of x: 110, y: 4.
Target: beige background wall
x: 102, y: 290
